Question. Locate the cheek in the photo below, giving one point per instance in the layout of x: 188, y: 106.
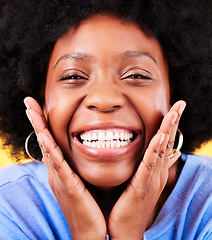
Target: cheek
x: 152, y: 107
x: 60, y: 106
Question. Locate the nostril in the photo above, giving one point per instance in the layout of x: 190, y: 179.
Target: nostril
x: 104, y: 99
x: 116, y: 107
x: 102, y: 109
x: 92, y: 108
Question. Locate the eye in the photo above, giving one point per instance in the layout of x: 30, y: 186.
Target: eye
x: 137, y: 77
x: 73, y: 78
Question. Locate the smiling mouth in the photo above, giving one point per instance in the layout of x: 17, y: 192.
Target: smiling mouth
x: 110, y: 138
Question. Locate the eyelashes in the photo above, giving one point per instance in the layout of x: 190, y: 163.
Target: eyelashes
x: 137, y: 76
x: 73, y: 81
x: 73, y: 78
x: 138, y: 80
x: 134, y: 76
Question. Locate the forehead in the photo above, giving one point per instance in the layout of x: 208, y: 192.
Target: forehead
x: 111, y: 35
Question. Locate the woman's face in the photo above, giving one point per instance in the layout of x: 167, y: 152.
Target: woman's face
x: 107, y: 91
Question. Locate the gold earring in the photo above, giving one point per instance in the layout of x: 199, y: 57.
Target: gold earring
x: 27, y: 150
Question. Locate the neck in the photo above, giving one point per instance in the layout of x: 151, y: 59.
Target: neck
x: 106, y: 198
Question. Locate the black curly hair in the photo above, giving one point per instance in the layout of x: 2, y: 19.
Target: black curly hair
x: 30, y: 28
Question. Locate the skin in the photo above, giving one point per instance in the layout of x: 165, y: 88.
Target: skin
x: 122, y: 83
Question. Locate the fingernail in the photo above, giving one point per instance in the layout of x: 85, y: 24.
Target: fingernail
x: 26, y: 103
x: 181, y: 109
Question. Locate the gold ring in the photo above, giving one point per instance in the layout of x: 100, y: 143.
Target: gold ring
x: 179, y: 145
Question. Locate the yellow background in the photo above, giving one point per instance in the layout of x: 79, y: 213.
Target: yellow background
x: 5, y: 159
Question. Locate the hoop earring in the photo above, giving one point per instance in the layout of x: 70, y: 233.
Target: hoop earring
x: 27, y: 150
x: 179, y: 145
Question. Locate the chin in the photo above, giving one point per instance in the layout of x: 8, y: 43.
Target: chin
x: 108, y: 178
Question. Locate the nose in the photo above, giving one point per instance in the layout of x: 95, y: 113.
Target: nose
x: 105, y: 98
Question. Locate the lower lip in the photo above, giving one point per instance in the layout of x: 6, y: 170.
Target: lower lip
x: 106, y: 152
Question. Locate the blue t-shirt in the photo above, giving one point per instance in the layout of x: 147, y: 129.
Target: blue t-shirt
x: 29, y: 210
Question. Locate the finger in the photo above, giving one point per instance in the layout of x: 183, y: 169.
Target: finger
x: 148, y: 164
x: 31, y: 103
x: 169, y: 126
x: 166, y: 127
x: 179, y: 106
x: 173, y: 159
x: 58, y: 170
x: 179, y: 109
x: 57, y: 164
x: 152, y: 165
x: 40, y: 127
x: 45, y: 161
x: 37, y: 122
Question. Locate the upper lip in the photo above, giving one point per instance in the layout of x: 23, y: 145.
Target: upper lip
x: 109, y: 125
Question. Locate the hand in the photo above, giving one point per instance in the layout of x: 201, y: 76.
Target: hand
x: 131, y: 213
x: 82, y: 213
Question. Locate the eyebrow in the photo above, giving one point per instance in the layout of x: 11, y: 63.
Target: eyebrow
x: 80, y: 56
x: 133, y: 54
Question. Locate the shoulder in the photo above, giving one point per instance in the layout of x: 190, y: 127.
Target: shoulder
x: 187, y: 212
x: 17, y: 172
x: 198, y: 169
x: 28, y: 208
x: 197, y: 160
x: 21, y: 180
x: 195, y: 181
x: 192, y: 197
x: 194, y: 194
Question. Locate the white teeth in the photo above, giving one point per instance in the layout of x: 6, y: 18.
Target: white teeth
x: 86, y: 137
x: 107, y: 144
x: 121, y: 135
x: 118, y: 143
x: 126, y: 136
x: 93, y: 144
x: 113, y: 143
x: 82, y: 136
x: 116, y: 136
x: 123, y: 143
x: 98, y: 144
x: 94, y: 136
x: 101, y: 136
x: 109, y: 136
x: 87, y: 143
x: 102, y: 144
x: 106, y: 140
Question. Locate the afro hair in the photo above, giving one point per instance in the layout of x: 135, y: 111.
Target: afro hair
x: 30, y: 28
